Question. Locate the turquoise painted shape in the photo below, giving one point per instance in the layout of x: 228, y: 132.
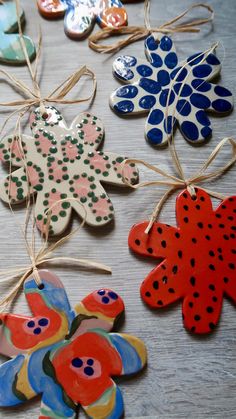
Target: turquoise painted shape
x: 11, y: 51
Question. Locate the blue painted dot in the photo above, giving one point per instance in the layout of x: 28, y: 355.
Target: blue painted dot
x: 163, y: 77
x: 124, y: 73
x: 113, y: 295
x: 200, y: 101
x: 183, y: 107
x: 155, y: 136
x: 155, y: 117
x: 181, y: 74
x: 222, y: 91
x: 101, y: 292
x: 90, y: 362
x: 127, y: 91
x: 37, y: 331
x: 171, y: 60
x: 206, y: 132
x: 151, y: 43
x: 43, y: 322
x: 169, y: 124
x: 124, y: 106
x: 156, y: 60
x: 128, y: 60
x: 147, y: 102
x: 183, y: 90
x: 144, y: 70
x: 201, y: 85
x: 202, y: 118
x: 195, y: 58
x: 151, y: 86
x: 164, y: 95
x: 31, y: 323
x: 212, y: 59
x: 77, y: 362
x: 202, y: 71
x: 89, y: 371
x: 166, y: 43
x: 190, y: 130
x: 105, y: 300
x: 221, y: 105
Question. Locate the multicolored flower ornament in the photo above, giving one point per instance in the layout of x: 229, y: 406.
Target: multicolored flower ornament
x: 198, y: 259
x: 10, y: 47
x: 80, y: 15
x: 170, y: 91
x: 68, y: 356
x: 59, y: 163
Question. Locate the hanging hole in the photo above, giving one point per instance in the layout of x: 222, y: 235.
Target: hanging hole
x: 41, y: 286
x: 45, y: 116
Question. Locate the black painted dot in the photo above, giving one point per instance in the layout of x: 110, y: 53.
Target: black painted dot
x: 193, y: 328
x: 150, y: 250
x: 160, y: 303
x: 194, y: 240
x: 192, y: 262
x: 180, y: 254
x: 232, y: 236
x: 212, y: 326
x: 159, y: 229
x: 155, y: 285
x: 41, y: 286
x: 218, y: 215
x: 163, y: 267
x: 223, y: 206
x: 230, y: 218
x: 215, y: 299
x: 164, y: 279
x: 211, y: 253
x: 185, y: 195
x: 192, y: 281
x: 177, y: 235
x: 202, y: 198
x: 219, y: 250
x: 231, y: 266
x: 197, y: 317
x: 137, y: 241
x: 171, y: 290
x: 37, y: 331
x: 233, y: 251
x: 190, y: 304
x: 198, y: 207
x: 226, y: 280
x: 220, y: 257
x: 207, y: 237
x: 226, y: 237
x: 105, y: 300
x: 185, y: 207
x: 200, y: 225
x: 148, y: 294
x: 212, y: 267
x: 209, y: 309
x: 77, y: 362
x: 231, y: 199
x: 186, y: 220
x: 221, y: 225
x: 89, y: 371
x: 90, y: 361
x: 175, y: 269
x: 212, y: 287
x: 196, y: 294
x: 209, y: 225
x: 163, y: 243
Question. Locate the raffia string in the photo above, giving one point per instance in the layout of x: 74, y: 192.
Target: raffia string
x: 181, y: 181
x: 136, y: 33
x: 32, y: 96
x: 43, y: 256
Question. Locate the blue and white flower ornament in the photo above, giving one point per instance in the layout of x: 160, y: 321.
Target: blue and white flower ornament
x: 171, y: 92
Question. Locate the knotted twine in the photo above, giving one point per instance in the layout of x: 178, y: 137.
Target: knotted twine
x: 181, y: 181
x: 136, y: 33
x: 32, y: 97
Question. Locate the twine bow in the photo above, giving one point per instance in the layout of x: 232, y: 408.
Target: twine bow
x: 32, y: 96
x: 136, y: 33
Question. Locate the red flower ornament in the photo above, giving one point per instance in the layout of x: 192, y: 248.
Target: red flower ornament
x: 198, y: 259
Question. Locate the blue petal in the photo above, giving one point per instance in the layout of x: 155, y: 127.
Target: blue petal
x: 200, y: 101
x: 222, y: 91
x: 212, y: 59
x: 169, y: 124
x: 151, y: 86
x: 130, y: 359
x: 202, y: 118
x: 202, y: 71
x: 147, y: 102
x: 151, y: 43
x: 166, y: 43
x: 164, y: 95
x: 156, y: 60
x: 8, y: 372
x: 127, y: 91
x: 171, y: 60
x: 195, y: 58
x: 184, y: 89
x: 183, y: 107
x: 124, y: 106
x: 221, y: 105
x: 182, y: 73
x: 155, y: 136
x: 201, y: 85
x: 163, y: 77
x: 119, y: 406
x: 144, y: 70
x: 206, y: 132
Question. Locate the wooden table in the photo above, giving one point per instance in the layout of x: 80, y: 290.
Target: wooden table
x: 187, y: 376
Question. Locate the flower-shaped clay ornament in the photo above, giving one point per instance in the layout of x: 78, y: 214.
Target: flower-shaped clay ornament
x: 170, y: 92
x: 67, y: 356
x: 59, y: 163
x: 11, y: 51
x: 198, y: 259
x: 80, y: 15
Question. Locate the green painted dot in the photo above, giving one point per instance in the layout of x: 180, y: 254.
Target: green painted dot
x: 54, y: 218
x: 62, y: 213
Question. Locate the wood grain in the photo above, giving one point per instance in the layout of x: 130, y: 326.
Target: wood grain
x: 186, y: 376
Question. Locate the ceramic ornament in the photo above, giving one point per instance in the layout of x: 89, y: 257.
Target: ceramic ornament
x: 10, y: 47
x: 61, y: 163
x: 81, y: 15
x: 151, y: 84
x: 198, y: 259
x: 67, y: 356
